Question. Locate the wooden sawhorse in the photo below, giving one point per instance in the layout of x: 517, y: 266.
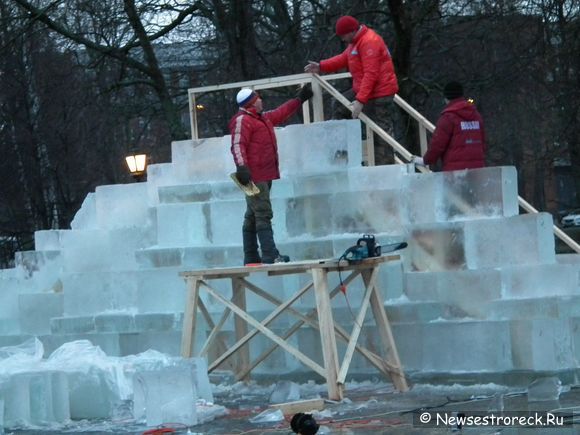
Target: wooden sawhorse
x: 320, y: 318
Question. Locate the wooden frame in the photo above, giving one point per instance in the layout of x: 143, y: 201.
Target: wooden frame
x: 320, y: 318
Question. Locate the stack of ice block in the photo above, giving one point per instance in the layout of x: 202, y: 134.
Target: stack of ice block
x: 475, y: 270
x: 79, y: 381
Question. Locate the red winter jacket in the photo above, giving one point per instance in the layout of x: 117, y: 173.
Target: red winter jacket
x: 369, y: 61
x: 254, y: 141
x: 459, y: 138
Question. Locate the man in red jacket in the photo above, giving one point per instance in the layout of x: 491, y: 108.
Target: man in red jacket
x: 255, y: 153
x: 459, y: 136
x: 374, y: 82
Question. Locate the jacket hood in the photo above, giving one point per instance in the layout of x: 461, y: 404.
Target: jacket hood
x: 461, y: 107
x: 363, y: 29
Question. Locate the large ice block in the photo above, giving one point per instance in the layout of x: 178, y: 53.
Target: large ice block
x: 540, y: 280
x: 72, y: 324
x: 183, y: 224
x: 122, y: 205
x: 86, y: 217
x: 37, y: 309
x: 17, y: 400
x: 88, y: 293
x: 387, y: 177
x: 517, y: 240
x: 319, y: 147
x: 41, y: 269
x: 160, y: 291
x: 203, y: 159
x: 482, y: 243
x: 48, y: 240
x: 167, y: 394
x: 461, y: 195
x: 542, y: 344
x: 85, y: 250
x: 454, y: 346
x: 9, y: 316
x: 468, y: 291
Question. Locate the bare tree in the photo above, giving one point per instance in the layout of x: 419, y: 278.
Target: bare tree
x: 124, y: 32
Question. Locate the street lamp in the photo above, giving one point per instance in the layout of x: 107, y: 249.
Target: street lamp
x: 137, y: 164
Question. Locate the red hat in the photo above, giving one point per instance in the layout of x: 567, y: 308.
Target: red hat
x: 346, y: 25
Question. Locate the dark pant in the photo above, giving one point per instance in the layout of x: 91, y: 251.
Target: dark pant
x: 258, y: 226
x: 383, y: 112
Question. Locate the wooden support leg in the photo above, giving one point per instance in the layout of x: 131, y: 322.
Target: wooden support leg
x: 189, y: 317
x: 327, y: 337
x: 358, y: 324
x: 239, y: 298
x: 386, y: 335
x: 216, y: 346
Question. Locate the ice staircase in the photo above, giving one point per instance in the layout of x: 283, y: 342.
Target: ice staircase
x: 479, y: 293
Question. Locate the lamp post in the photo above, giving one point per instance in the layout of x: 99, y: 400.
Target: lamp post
x: 137, y: 164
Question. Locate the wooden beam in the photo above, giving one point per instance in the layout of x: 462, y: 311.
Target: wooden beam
x: 290, y: 408
x: 357, y: 327
x: 327, y: 337
x: 386, y: 336
x: 193, y: 116
x: 370, y: 146
x: 189, y: 318
x: 241, y: 327
x: 317, y: 102
x: 271, y: 82
x: 216, y: 329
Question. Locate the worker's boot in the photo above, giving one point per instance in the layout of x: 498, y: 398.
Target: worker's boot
x: 270, y: 253
x: 251, y: 254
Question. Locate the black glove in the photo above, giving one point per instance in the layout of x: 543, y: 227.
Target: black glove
x: 243, y: 174
x: 304, y: 93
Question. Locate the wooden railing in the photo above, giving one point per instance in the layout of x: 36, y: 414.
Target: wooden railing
x: 318, y: 83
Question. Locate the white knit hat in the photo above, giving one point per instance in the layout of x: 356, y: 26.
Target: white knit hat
x: 246, y: 96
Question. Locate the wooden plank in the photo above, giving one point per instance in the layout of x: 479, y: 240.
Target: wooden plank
x: 423, y: 139
x: 216, y: 329
x: 327, y: 337
x: 205, y: 313
x: 357, y: 327
x: 272, y: 82
x: 275, y: 338
x: 220, y: 346
x: 317, y: 102
x: 193, y: 115
x: 330, y: 264
x: 306, y: 112
x: 370, y: 146
x: 241, y: 327
x: 386, y: 336
x: 290, y: 408
x: 189, y: 318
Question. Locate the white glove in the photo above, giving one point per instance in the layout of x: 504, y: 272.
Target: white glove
x: 418, y: 161
x: 312, y: 67
x: 357, y: 108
